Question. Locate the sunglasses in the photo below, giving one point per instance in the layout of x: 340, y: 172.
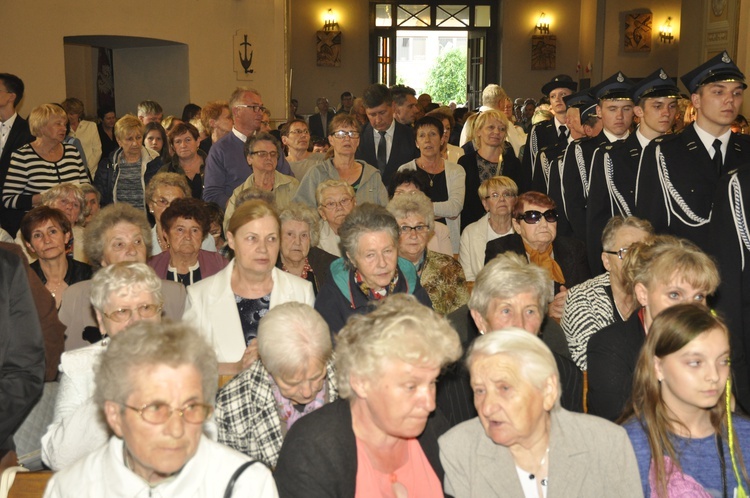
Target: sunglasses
x: 533, y: 217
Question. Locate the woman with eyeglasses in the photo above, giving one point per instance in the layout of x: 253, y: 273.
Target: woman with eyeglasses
x: 686, y: 439
x: 446, y: 179
x: 498, y: 195
x: 365, y: 179
x: 440, y: 275
x: 369, y: 268
x: 660, y: 273
x: 121, y: 294
x: 188, y: 159
x: 335, y: 199
x: 262, y: 154
x: 155, y: 387
x: 535, y: 224
x: 295, y: 135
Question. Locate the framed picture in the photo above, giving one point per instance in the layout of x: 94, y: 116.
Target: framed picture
x: 638, y: 31
x: 543, y: 52
x: 328, y: 48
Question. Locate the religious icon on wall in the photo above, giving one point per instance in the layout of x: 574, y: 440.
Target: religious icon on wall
x: 243, y: 55
x: 638, y: 31
x: 328, y: 48
x: 543, y: 51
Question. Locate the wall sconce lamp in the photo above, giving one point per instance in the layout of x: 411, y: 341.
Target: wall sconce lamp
x: 330, y: 23
x: 543, y: 24
x: 665, y: 32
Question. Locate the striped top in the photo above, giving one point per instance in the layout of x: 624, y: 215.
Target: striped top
x: 29, y: 174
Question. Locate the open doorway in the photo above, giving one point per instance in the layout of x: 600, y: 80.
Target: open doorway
x: 433, y: 62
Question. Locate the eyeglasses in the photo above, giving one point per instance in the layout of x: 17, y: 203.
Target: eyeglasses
x: 343, y: 133
x: 344, y: 203
x: 533, y: 217
x: 254, y: 108
x: 620, y: 253
x: 162, y: 202
x: 124, y: 314
x: 159, y: 413
x: 495, y: 196
x: 263, y: 154
x: 419, y: 229
x: 304, y: 131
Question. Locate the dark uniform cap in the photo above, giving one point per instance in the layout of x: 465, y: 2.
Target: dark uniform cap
x: 579, y: 100
x: 616, y: 87
x: 718, y: 68
x: 588, y: 111
x: 559, y: 81
x: 656, y: 84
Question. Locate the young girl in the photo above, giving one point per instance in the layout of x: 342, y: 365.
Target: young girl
x: 686, y: 441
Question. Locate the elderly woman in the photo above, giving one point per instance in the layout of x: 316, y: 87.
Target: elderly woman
x: 509, y: 292
x: 295, y: 135
x: 120, y: 233
x: 262, y: 154
x: 498, y: 195
x: 370, y: 268
x: 40, y: 165
x: 659, y: 273
x: 160, y: 192
x: 46, y: 232
x: 299, y: 254
x: 185, y: 224
x: 155, y: 138
x: 155, y: 385
x: 446, y: 179
x: 365, y: 179
x: 92, y: 202
x: 524, y: 443
x: 693, y: 451
x: 228, y: 306
x: 335, y: 199
x: 121, y: 294
x: 85, y: 131
x: 440, y: 275
x: 293, y: 377
x: 123, y: 176
x: 493, y: 157
x: 407, y: 182
x: 603, y: 300
x: 535, y: 224
x: 69, y: 198
x: 187, y: 160
x: 379, y: 440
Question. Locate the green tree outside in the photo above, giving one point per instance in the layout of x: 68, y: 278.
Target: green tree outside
x: 447, y: 78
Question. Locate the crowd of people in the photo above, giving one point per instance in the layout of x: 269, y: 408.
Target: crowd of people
x: 393, y: 298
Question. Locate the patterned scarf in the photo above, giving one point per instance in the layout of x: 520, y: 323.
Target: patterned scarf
x: 287, y: 411
x: 544, y: 259
x: 371, y: 294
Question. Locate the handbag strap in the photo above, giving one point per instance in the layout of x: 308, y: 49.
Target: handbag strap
x: 233, y: 480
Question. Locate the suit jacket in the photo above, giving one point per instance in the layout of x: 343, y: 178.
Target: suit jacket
x: 588, y: 456
x: 18, y: 136
x: 569, y: 253
x: 316, y: 124
x: 403, y: 149
x: 688, y: 173
x: 212, y: 309
x: 614, y: 172
x: 612, y: 354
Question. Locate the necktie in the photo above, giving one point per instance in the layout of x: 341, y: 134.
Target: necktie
x: 563, y: 131
x: 718, y: 161
x: 382, y: 157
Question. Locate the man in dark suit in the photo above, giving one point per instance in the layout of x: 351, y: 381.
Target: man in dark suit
x: 318, y: 123
x: 384, y: 142
x: 14, y: 133
x: 615, y: 168
x: 551, y: 131
x: 679, y: 173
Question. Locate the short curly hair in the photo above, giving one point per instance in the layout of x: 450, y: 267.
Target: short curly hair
x: 399, y: 328
x: 365, y: 218
x: 108, y: 217
x: 189, y: 209
x: 297, y: 211
x: 41, y: 115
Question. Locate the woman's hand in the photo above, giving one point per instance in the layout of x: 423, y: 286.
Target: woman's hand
x: 248, y: 358
x: 558, y: 303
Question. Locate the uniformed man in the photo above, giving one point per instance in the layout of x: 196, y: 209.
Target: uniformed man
x: 615, y: 110
x: 615, y: 169
x: 551, y: 131
x: 679, y: 173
